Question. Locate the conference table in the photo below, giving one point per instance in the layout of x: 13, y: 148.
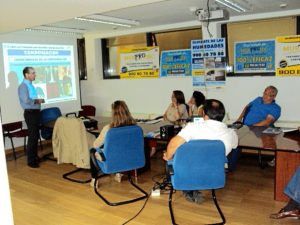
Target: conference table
x: 287, y: 153
x: 285, y: 145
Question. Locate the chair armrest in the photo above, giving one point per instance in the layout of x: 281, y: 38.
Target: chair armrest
x: 169, y: 167
x: 71, y: 113
x: 93, y: 158
x: 101, y: 153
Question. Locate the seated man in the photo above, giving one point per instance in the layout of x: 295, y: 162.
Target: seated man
x: 210, y: 128
x: 292, y: 209
x: 262, y: 111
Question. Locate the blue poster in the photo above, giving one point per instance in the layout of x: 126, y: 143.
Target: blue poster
x: 175, y: 63
x: 208, y: 48
x: 254, y: 56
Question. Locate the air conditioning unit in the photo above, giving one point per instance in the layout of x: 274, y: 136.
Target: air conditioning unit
x: 214, y: 15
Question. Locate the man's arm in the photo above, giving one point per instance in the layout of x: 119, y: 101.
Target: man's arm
x: 24, y: 95
x: 266, y: 122
x: 240, y: 119
x: 172, y: 147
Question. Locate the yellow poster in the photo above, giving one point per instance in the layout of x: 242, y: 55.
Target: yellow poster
x: 288, y: 56
x: 139, y: 63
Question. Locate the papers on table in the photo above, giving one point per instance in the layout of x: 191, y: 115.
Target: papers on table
x: 153, y: 134
x: 278, y: 130
x: 149, y: 121
x: 272, y: 130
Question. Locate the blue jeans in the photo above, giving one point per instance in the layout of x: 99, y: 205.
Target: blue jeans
x: 293, y: 187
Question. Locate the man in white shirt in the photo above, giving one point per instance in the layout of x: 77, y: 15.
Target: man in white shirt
x: 210, y: 128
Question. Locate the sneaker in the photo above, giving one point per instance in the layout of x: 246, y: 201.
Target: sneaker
x: 34, y: 165
x: 271, y: 163
x: 193, y: 196
x: 198, y: 197
x: 188, y: 195
x: 118, y: 177
x: 93, y: 182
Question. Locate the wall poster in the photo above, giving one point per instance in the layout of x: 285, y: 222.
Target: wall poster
x: 208, y: 64
x: 175, y: 63
x: 288, y: 56
x: 254, y: 56
x: 139, y: 63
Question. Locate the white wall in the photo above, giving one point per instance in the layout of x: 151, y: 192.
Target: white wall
x: 152, y: 96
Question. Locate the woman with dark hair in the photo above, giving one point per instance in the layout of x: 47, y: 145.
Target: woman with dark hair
x: 121, y: 116
x: 196, y: 104
x: 177, y: 110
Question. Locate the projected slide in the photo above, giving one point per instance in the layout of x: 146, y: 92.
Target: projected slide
x: 54, y: 65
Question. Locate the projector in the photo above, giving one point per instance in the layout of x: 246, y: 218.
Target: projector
x: 214, y: 15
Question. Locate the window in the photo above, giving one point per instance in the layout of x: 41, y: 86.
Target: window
x: 171, y: 40
x: 257, y: 30
x: 111, y: 49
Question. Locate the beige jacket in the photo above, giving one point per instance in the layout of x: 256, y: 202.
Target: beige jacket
x: 71, y: 142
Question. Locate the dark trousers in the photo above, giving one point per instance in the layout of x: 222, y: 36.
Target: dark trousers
x: 32, y: 119
x: 233, y: 158
x: 94, y: 169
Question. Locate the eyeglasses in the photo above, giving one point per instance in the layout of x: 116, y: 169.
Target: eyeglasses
x: 269, y: 94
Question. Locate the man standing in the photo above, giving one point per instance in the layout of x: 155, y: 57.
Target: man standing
x: 31, y: 104
x: 262, y: 111
x: 210, y: 128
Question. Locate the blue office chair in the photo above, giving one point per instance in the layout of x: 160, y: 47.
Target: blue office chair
x: 198, y: 165
x: 123, y: 151
x: 48, y: 115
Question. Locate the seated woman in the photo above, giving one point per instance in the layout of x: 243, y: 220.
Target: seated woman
x: 196, y: 103
x: 121, y: 116
x: 177, y: 110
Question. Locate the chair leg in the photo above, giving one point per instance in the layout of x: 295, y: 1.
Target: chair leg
x: 25, y: 150
x: 170, y: 206
x: 40, y: 140
x: 13, y: 148
x: 261, y: 164
x: 145, y: 194
x: 66, y: 176
x: 218, y: 208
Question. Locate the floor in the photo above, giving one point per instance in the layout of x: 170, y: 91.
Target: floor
x: 42, y: 197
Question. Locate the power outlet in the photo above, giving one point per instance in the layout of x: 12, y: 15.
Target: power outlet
x: 155, y: 193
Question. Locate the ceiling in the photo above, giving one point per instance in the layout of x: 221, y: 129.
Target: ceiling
x: 54, y: 15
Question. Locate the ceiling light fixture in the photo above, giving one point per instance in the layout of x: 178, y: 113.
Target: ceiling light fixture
x: 97, y: 18
x: 41, y: 30
x: 232, y: 5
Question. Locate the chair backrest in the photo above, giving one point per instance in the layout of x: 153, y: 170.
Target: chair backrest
x: 10, y: 127
x: 50, y: 114
x: 123, y: 149
x: 199, y: 165
x: 47, y: 115
x: 87, y: 110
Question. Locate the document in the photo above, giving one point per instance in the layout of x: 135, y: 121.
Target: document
x: 272, y: 130
x: 147, y: 121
